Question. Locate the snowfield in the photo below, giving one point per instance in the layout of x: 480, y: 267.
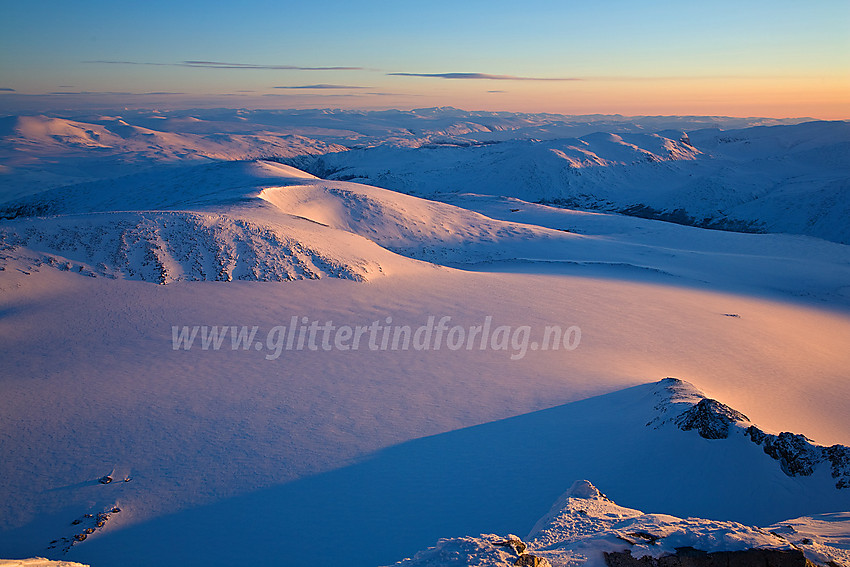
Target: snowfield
x: 372, y: 371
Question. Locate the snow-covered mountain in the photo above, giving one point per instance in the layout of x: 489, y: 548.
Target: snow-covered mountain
x: 39, y: 152
x: 770, y: 176
x: 790, y: 179
x: 264, y: 221
x: 43, y: 151
x: 222, y: 230
x: 226, y: 444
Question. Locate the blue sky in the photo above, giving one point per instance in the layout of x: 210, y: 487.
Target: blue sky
x: 783, y: 58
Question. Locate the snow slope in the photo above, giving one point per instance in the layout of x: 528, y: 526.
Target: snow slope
x: 262, y: 220
x: 249, y: 453
x: 228, y: 446
x: 221, y: 230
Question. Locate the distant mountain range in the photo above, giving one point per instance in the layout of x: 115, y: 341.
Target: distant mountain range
x: 750, y: 175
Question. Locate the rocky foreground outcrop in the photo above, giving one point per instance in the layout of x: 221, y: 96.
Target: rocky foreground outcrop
x: 689, y: 557
x: 585, y: 528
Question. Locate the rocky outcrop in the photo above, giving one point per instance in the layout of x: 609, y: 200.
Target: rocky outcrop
x: 839, y: 457
x: 528, y: 560
x: 524, y: 559
x: 798, y: 456
x: 693, y: 411
x: 710, y: 419
x: 689, y: 557
x: 93, y: 522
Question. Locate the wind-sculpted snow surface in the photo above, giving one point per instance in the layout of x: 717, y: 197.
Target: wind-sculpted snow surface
x: 228, y: 233
x: 411, y: 226
x: 163, y: 247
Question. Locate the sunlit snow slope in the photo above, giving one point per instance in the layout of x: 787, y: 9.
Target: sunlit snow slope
x: 237, y: 450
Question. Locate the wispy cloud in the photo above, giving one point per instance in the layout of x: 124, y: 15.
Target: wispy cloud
x: 338, y: 95
x: 87, y: 93
x: 395, y: 94
x: 226, y: 65
x: 110, y: 62
x: 222, y: 65
x: 497, y: 91
x: 322, y: 86
x: 294, y: 96
x: 7, y: 90
x: 482, y: 76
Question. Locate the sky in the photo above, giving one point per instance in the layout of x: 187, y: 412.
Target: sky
x: 744, y: 58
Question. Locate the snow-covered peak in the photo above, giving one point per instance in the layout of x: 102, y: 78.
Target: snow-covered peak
x: 263, y: 169
x: 583, y: 526
x: 584, y: 489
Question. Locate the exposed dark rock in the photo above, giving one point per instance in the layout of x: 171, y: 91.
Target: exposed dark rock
x: 634, y: 538
x: 105, y: 479
x: 528, y: 560
x: 645, y: 536
x: 757, y: 435
x: 625, y: 559
x: 689, y: 551
x: 683, y: 217
x: 796, y: 454
x: 514, y: 543
x: 689, y: 557
x: 839, y: 458
x: 710, y: 418
x: 523, y: 559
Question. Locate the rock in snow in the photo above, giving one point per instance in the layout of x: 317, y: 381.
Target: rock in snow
x: 797, y: 455
x: 710, y: 418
